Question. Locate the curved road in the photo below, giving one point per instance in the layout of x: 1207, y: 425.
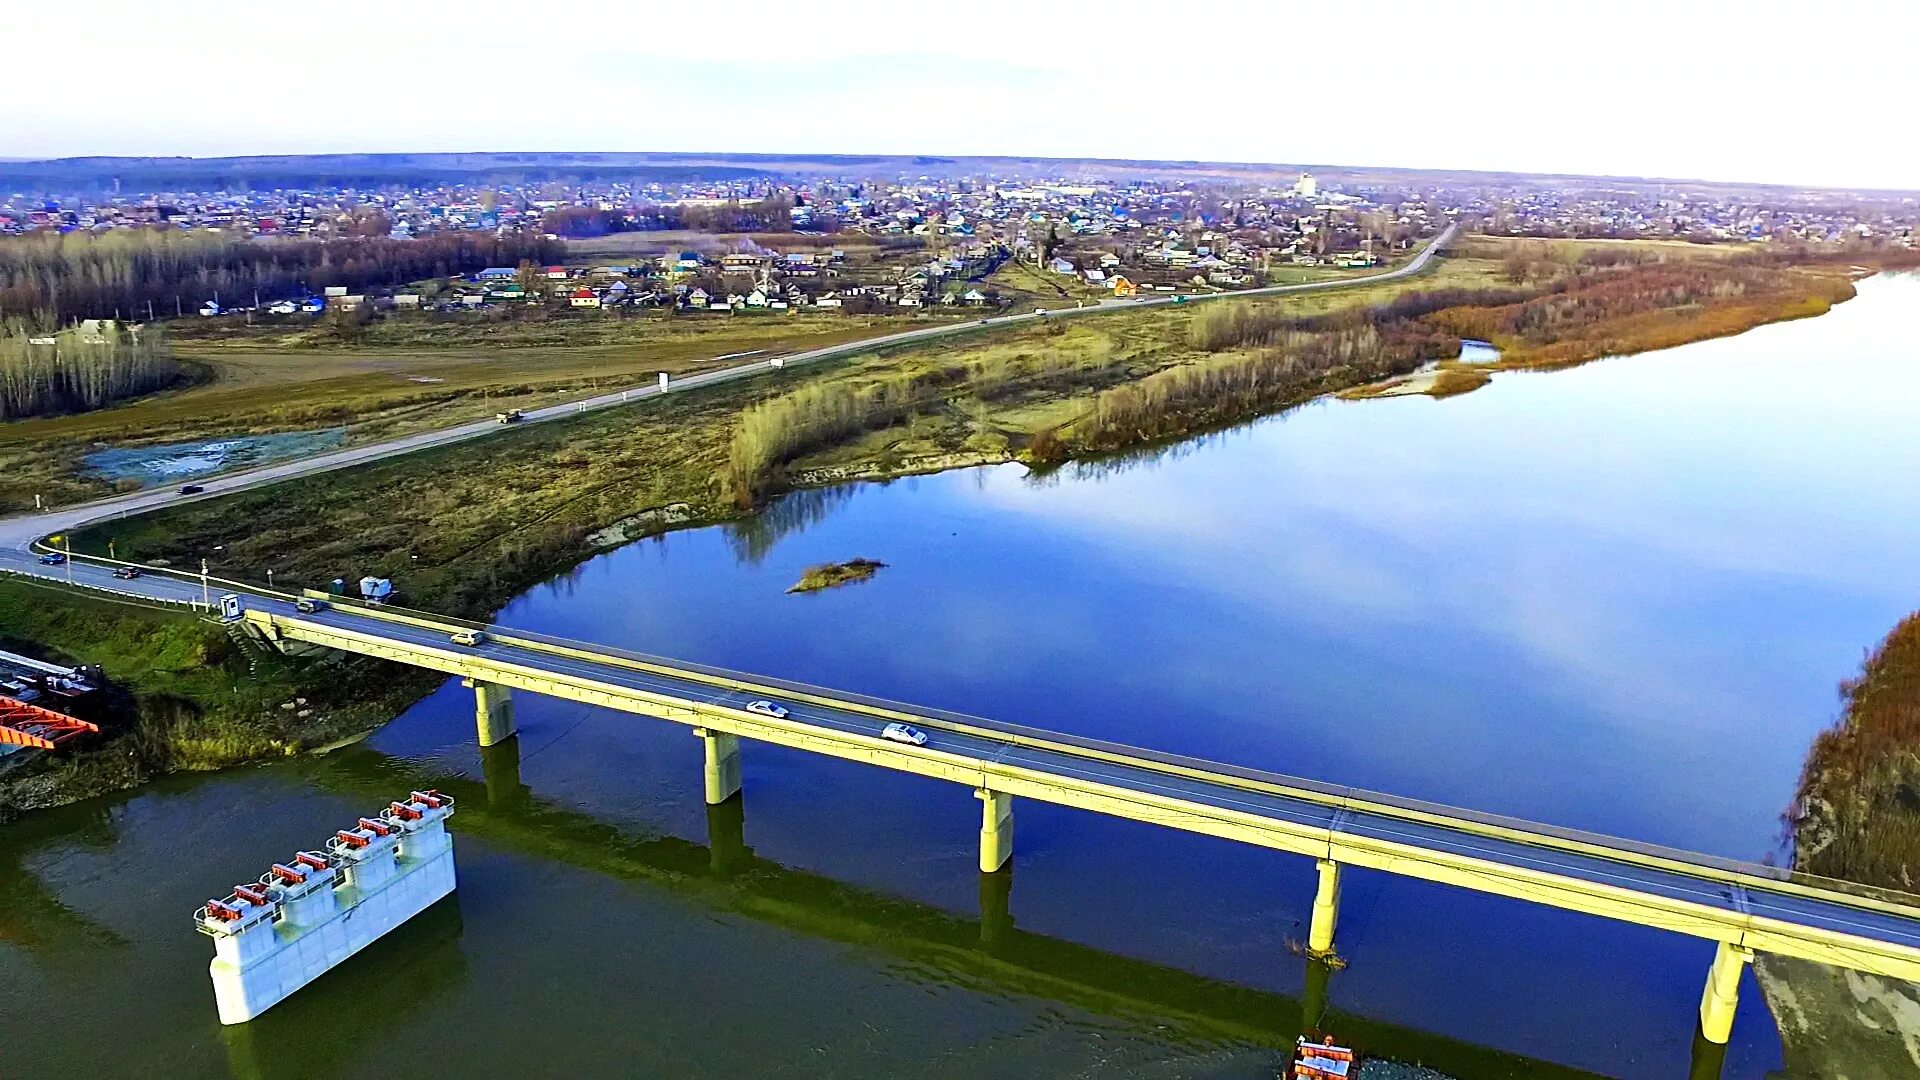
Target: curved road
x: 18, y: 533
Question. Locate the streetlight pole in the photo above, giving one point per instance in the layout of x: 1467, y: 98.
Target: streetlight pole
x: 67, y: 542
x: 206, y: 600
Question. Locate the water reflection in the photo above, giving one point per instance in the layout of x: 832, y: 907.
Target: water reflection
x: 751, y: 538
x: 358, y: 1005
x: 726, y: 874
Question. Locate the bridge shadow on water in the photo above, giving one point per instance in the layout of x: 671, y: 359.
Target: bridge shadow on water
x: 988, y: 951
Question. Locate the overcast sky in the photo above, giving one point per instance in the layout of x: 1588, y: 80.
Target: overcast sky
x: 1811, y: 94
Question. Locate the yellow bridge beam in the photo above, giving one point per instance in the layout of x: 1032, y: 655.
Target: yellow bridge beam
x: 1004, y: 778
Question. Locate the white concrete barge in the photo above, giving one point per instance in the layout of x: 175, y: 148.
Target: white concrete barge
x: 299, y: 921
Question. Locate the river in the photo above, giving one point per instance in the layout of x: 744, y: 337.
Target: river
x: 1618, y: 597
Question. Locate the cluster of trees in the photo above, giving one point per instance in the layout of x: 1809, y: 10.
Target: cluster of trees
x: 773, y: 214
x: 1856, y: 816
x: 777, y: 430
x: 138, y: 273
x: 1287, y: 366
x: 1574, y: 306
x: 584, y: 221
x: 81, y: 368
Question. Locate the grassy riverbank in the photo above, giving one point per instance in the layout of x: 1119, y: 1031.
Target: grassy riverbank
x: 1857, y: 813
x: 463, y: 528
x: 184, y: 695
x: 1856, y: 816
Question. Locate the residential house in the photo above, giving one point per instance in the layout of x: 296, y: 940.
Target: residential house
x: 583, y: 298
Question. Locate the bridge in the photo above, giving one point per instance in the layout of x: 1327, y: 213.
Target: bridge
x: 1745, y: 908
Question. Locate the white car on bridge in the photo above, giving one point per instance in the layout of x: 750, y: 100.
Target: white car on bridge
x: 767, y: 708
x: 903, y: 733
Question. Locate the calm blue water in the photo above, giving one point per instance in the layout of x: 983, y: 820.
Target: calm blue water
x: 1618, y: 597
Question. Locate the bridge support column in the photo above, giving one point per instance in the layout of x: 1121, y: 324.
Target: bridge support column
x: 492, y: 711
x: 996, y: 829
x: 1722, y: 995
x: 1326, y: 909
x: 723, y: 764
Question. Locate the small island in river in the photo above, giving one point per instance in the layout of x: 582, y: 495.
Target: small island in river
x: 832, y: 575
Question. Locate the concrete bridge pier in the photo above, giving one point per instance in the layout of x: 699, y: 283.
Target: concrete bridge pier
x: 1722, y: 995
x: 1326, y: 910
x: 723, y: 764
x: 996, y: 829
x: 492, y: 710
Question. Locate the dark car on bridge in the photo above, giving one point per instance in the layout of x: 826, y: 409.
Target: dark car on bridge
x: 52, y: 558
x: 127, y: 573
x: 191, y: 489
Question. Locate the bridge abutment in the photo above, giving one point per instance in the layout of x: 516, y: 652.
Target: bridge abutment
x: 1326, y: 909
x: 1722, y: 994
x: 996, y: 829
x: 723, y: 764
x: 492, y: 711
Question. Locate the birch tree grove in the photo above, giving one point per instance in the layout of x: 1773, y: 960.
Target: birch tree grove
x: 83, y: 367
x: 144, y: 273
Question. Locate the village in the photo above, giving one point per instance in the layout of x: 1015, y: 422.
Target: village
x: 859, y: 245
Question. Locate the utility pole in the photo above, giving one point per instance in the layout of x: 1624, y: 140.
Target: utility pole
x: 206, y: 600
x: 67, y: 542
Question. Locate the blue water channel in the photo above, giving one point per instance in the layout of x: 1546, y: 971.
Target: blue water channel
x: 1618, y: 597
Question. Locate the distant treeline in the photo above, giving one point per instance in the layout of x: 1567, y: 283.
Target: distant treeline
x: 134, y: 273
x: 81, y: 368
x: 773, y: 214
x: 350, y: 170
